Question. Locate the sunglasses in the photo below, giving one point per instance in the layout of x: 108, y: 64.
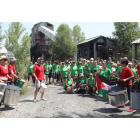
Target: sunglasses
x: 5, y: 59
x: 90, y: 75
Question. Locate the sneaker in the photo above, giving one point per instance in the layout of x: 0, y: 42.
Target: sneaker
x: 73, y: 91
x: 43, y: 99
x: 123, y: 106
x: 130, y: 110
x: 35, y: 100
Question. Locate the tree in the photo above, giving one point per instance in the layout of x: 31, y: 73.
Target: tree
x: 125, y: 33
x: 18, y: 42
x: 78, y: 35
x: 63, y: 46
x: 1, y: 36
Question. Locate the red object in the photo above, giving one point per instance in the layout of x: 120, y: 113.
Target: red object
x: 100, y: 84
x: 130, y: 110
x: 3, y: 71
x: 138, y: 69
x: 126, y: 73
x: 123, y: 106
x: 39, y: 71
x: 12, y: 68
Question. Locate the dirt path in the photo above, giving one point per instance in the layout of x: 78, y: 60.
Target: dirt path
x: 62, y: 105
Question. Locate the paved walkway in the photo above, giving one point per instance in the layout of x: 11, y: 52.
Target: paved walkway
x: 61, y: 105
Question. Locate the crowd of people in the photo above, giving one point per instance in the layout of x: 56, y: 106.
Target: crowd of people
x: 76, y: 77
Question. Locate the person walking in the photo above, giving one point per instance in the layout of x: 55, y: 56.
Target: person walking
x: 30, y: 71
x: 38, y: 73
x: 46, y: 66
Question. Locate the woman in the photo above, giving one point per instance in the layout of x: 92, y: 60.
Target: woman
x: 4, y: 69
x: 68, y: 84
x: 126, y: 76
x: 64, y: 72
x: 87, y: 71
x: 80, y: 68
x: 90, y: 84
x: 75, y: 81
x: 100, y: 72
x: 73, y: 69
x: 107, y: 72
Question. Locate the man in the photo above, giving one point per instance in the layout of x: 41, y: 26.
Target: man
x: 30, y: 70
x: 12, y: 69
x: 38, y: 73
x: 46, y: 66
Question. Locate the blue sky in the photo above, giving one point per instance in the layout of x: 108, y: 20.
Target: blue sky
x: 91, y: 29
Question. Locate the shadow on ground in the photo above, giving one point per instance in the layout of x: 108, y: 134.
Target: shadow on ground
x: 5, y: 109
x: 26, y: 101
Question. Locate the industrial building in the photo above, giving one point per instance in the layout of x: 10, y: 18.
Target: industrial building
x: 42, y: 36
x: 96, y: 47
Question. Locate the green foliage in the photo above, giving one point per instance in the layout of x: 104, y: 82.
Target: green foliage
x: 63, y: 46
x: 18, y: 42
x: 78, y: 35
x: 125, y: 33
x: 1, y: 36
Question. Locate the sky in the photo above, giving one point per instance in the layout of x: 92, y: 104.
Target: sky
x: 91, y: 29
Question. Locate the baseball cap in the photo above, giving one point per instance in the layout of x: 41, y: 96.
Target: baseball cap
x: 113, y: 69
x: 100, y: 67
x: 3, y: 57
x: 129, y: 63
x: 13, y: 59
x: 39, y: 58
x: 91, y: 59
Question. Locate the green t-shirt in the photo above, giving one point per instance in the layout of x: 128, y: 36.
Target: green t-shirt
x: 108, y: 65
x: 74, y: 81
x: 30, y: 68
x: 55, y: 67
x: 68, y: 67
x: 64, y: 71
x: 69, y: 82
x: 83, y: 80
x: 50, y: 68
x: 86, y: 72
x: 100, y: 73
x: 47, y: 69
x: 135, y: 73
x: 91, y: 82
x: 74, y: 70
x: 107, y: 73
x: 119, y: 71
x: 80, y: 69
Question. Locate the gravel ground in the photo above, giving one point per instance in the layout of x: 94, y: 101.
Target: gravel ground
x: 62, y: 105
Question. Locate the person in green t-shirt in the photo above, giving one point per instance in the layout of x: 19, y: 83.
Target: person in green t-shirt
x: 113, y: 74
x: 107, y: 71
x: 133, y: 70
x: 80, y: 68
x: 55, y: 67
x: 30, y: 70
x: 64, y: 72
x: 68, y: 84
x: 100, y: 72
x: 87, y: 71
x: 68, y: 67
x: 50, y: 72
x: 73, y: 69
x: 46, y: 66
x: 91, y: 84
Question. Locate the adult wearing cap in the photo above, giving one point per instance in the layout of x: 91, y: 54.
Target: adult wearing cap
x: 73, y: 69
x: 91, y: 59
x: 113, y: 74
x: 100, y: 72
x: 4, y: 72
x: 95, y: 66
x: 126, y: 79
x: 134, y: 64
x: 12, y: 68
x: 38, y: 73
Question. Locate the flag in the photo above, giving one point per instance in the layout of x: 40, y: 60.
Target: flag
x: 104, y: 84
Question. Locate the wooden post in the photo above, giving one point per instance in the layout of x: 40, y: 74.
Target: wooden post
x: 134, y: 51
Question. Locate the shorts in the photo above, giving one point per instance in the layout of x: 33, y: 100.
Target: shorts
x: 38, y: 83
x: 29, y: 73
x: 64, y: 78
x: 46, y: 74
x: 66, y: 87
x: 55, y: 74
x: 50, y: 75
